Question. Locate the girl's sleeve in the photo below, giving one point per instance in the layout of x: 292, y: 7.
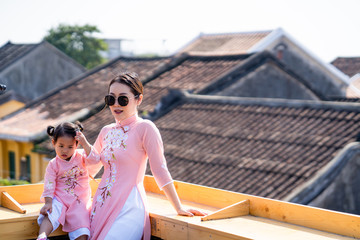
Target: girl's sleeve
x: 154, y: 148
x: 92, y: 168
x: 49, y: 181
x: 92, y: 161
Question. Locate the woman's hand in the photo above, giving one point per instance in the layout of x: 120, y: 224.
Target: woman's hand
x: 191, y: 212
x: 171, y: 194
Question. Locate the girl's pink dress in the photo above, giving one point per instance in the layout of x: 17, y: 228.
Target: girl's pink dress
x: 68, y: 181
x: 123, y: 150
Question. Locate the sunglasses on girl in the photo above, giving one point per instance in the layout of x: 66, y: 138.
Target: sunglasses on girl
x: 122, y: 100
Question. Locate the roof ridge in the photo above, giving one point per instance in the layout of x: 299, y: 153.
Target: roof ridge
x: 235, y: 33
x: 228, y: 56
x: 175, y: 61
x: 271, y: 102
x: 178, y: 59
x: 255, y: 59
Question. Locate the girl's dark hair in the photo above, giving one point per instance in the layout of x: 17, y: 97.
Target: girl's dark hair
x: 64, y: 129
x: 130, y: 79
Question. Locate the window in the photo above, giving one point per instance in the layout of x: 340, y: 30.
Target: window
x: 12, y: 165
x: 28, y: 168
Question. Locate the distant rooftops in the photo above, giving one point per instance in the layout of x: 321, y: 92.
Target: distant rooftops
x: 348, y: 65
x: 224, y: 43
x: 10, y: 52
x: 263, y: 147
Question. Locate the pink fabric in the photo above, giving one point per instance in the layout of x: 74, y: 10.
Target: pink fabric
x: 69, y: 182
x: 124, y: 150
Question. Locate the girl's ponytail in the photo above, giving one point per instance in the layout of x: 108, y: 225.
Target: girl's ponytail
x: 50, y: 130
x: 79, y: 126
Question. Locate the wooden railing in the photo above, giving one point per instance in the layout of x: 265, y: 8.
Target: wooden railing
x: 231, y: 215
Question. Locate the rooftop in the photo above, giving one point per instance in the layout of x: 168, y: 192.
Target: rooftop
x: 348, y: 65
x: 262, y: 147
x: 74, y: 100
x: 10, y: 52
x: 224, y: 43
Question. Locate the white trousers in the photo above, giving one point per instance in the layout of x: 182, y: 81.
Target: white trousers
x: 54, y: 219
x: 129, y: 224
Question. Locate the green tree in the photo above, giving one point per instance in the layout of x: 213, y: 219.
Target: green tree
x: 78, y: 43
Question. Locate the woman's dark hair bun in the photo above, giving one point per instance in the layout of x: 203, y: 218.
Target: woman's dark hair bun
x: 80, y: 126
x: 50, y: 130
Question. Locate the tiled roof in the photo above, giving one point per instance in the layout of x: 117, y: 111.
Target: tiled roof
x: 224, y: 44
x: 75, y: 99
x: 259, y: 148
x: 11, y: 52
x: 193, y: 74
x: 348, y: 65
x: 264, y: 75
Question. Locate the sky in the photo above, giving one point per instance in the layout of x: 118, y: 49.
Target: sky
x: 326, y: 28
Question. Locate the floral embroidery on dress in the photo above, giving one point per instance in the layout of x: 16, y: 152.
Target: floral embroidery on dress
x: 71, y: 180
x: 114, y: 139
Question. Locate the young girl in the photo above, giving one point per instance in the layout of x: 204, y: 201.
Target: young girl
x: 66, y: 186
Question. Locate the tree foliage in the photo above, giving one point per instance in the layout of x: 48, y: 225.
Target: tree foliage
x: 79, y: 43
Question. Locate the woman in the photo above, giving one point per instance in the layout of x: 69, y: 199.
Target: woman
x: 119, y: 209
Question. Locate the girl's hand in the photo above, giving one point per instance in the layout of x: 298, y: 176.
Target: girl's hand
x: 191, y: 212
x: 80, y: 137
x: 47, y: 207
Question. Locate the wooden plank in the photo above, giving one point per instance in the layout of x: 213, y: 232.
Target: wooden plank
x: 9, y: 202
x: 22, y: 192
x: 168, y: 228
x: 173, y: 230
x: 29, y: 193
x: 246, y: 227
x: 205, y: 234
x: 236, y: 210
x: 311, y: 217
x: 24, y: 229
x: 155, y: 226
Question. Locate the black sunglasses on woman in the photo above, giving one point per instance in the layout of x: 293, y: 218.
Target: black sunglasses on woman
x: 122, y: 100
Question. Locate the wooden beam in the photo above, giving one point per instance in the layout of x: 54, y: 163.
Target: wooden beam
x: 236, y: 210
x: 9, y: 202
x: 311, y: 217
x: 28, y: 193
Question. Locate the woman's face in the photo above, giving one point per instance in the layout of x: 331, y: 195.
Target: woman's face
x: 123, y: 112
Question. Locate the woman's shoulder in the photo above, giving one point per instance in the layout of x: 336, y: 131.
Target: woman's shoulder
x: 147, y: 128
x: 145, y: 124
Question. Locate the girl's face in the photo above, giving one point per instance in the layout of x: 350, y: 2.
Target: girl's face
x: 123, y: 112
x: 65, y: 147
